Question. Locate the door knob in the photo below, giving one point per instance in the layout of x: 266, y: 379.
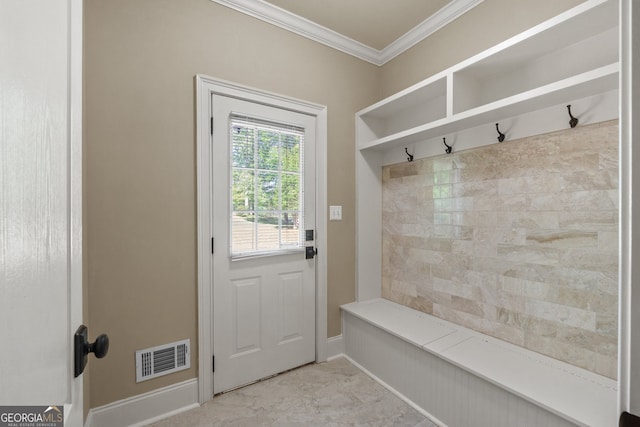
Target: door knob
x: 82, y: 348
x: 310, y: 252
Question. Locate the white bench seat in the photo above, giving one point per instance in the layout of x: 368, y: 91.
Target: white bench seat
x: 573, y: 394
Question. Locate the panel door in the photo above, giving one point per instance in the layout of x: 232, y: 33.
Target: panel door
x: 263, y: 202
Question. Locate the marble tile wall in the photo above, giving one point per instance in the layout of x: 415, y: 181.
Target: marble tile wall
x: 517, y: 240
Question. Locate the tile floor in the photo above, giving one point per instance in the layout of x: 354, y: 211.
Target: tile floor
x: 335, y: 393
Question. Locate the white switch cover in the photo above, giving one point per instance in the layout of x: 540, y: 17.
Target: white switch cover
x: 335, y: 213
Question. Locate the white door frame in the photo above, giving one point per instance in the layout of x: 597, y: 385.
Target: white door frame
x: 629, y: 329
x: 76, y: 42
x: 205, y: 87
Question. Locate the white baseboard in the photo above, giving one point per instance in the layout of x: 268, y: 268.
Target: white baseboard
x: 335, y: 347
x: 146, y: 408
x: 165, y: 402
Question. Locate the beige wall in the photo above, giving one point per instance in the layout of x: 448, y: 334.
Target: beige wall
x: 482, y: 27
x: 140, y: 61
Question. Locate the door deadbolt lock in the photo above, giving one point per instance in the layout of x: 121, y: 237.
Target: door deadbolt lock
x: 310, y: 252
x: 82, y: 348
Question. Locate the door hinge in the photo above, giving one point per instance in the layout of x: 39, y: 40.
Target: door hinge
x: 213, y: 363
x: 211, y: 126
x: 212, y: 246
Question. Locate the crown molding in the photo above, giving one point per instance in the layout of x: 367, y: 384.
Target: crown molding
x: 444, y: 16
x: 301, y: 26
x: 284, y: 19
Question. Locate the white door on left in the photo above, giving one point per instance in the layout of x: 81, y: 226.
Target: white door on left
x: 40, y: 203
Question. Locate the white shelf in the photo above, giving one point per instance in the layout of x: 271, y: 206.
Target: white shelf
x: 422, y: 104
x: 571, y: 56
x: 592, y: 82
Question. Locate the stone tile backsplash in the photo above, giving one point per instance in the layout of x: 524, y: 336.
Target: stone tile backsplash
x: 518, y: 240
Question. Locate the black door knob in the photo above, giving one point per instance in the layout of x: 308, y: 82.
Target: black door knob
x: 310, y: 252
x: 100, y: 347
x: 82, y: 347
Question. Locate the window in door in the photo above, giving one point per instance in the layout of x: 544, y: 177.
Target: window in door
x: 267, y: 196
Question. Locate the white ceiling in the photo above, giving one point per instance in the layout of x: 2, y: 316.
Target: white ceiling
x: 373, y: 30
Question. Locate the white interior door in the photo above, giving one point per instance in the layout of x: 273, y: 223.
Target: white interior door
x: 263, y: 201
x: 40, y: 203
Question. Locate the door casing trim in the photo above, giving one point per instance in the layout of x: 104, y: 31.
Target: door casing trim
x: 206, y: 87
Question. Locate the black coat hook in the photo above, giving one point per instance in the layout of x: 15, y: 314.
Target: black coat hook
x: 410, y: 158
x: 501, y: 135
x: 449, y: 148
x: 574, y: 121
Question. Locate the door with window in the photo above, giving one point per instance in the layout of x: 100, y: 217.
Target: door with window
x: 263, y: 218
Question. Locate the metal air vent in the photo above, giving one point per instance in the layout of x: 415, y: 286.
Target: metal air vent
x: 162, y: 360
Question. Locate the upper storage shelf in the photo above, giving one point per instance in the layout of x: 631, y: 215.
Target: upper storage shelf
x: 570, y: 56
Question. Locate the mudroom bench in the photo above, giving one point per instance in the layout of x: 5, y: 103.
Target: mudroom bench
x: 459, y: 377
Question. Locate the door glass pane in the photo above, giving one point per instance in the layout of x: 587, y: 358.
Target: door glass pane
x: 266, y: 186
x: 242, y: 150
x: 290, y: 185
x: 268, y: 149
x: 243, y: 225
x: 268, y: 191
x: 290, y: 233
x: 267, y: 232
x: 243, y: 190
x: 291, y: 152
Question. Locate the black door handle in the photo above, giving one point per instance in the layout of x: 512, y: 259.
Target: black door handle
x: 82, y: 348
x: 310, y: 252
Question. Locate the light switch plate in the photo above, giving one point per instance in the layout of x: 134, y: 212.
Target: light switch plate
x: 335, y: 213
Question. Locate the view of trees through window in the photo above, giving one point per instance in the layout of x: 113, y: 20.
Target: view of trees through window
x: 266, y: 191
